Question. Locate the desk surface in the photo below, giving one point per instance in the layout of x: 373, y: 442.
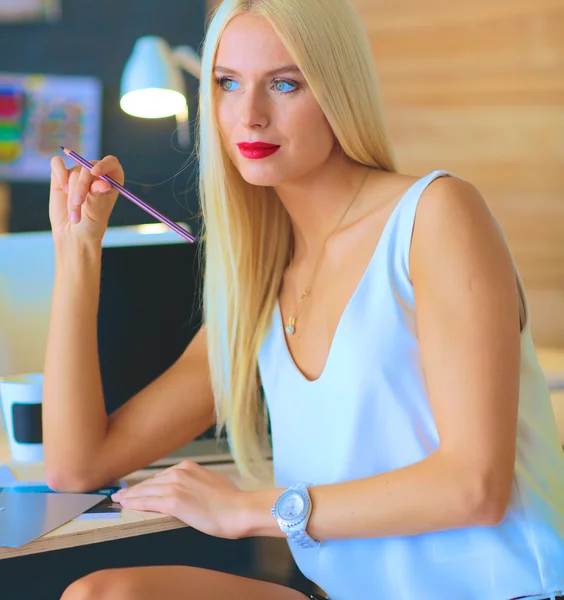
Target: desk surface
x: 132, y: 523
x: 80, y: 532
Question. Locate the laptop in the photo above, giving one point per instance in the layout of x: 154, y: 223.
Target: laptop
x: 27, y: 516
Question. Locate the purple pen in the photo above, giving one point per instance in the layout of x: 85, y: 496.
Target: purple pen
x: 130, y: 196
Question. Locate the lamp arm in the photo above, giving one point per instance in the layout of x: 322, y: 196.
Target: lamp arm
x: 188, y: 59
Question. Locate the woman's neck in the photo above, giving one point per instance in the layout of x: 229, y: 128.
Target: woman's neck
x: 316, y: 202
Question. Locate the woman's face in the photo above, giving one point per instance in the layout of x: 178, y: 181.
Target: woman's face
x: 263, y: 97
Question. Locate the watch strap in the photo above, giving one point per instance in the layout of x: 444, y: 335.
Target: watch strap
x: 302, y: 539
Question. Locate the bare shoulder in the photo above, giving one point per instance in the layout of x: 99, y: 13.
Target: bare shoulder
x: 454, y: 227
x: 451, y: 212
x: 449, y: 198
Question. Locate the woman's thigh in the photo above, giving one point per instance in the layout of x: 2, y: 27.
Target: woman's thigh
x: 173, y: 583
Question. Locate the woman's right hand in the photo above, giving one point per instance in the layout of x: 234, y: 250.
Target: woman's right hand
x: 80, y: 203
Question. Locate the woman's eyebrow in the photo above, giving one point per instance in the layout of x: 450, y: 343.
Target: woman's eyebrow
x: 278, y: 71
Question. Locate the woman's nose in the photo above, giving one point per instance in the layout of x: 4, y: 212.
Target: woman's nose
x: 254, y: 109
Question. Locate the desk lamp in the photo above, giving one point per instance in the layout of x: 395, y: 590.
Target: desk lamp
x: 152, y: 85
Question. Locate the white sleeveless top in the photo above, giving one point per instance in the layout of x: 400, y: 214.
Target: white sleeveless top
x: 369, y: 413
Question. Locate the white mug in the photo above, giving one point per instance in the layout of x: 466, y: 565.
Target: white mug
x: 21, y: 397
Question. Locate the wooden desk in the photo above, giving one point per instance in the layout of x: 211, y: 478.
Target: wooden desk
x: 132, y: 523
x: 79, y: 532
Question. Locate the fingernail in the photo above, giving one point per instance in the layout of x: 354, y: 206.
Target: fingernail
x: 77, y: 199
x: 66, y: 187
x: 74, y: 217
x: 95, y: 170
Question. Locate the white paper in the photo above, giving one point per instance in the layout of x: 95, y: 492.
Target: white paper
x: 6, y: 475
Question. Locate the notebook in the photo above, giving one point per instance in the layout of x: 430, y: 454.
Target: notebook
x: 27, y: 516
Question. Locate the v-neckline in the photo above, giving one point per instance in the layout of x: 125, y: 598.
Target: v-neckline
x: 280, y: 323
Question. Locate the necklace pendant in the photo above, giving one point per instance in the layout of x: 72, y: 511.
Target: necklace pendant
x: 291, y: 327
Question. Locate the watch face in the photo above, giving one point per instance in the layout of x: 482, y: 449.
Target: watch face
x: 291, y: 507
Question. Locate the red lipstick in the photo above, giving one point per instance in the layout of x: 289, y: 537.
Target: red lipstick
x: 255, y: 150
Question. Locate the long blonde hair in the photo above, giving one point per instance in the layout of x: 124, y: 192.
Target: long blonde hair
x: 243, y: 267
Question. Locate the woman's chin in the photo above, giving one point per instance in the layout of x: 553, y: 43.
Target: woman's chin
x: 261, y: 177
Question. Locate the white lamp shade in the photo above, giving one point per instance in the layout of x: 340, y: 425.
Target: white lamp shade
x: 152, y: 85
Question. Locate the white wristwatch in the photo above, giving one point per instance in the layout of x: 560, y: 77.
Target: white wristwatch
x: 292, y: 511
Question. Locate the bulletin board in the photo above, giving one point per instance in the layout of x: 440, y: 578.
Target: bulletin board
x: 23, y: 11
x: 40, y: 113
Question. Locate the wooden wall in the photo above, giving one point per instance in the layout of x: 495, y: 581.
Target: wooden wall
x: 478, y: 89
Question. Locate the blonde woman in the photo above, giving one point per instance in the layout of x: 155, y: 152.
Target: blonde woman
x: 415, y: 451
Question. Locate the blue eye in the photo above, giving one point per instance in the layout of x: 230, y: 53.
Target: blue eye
x: 281, y: 85
x: 284, y: 87
x: 226, y: 84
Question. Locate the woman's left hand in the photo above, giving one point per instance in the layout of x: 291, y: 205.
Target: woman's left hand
x: 208, y: 501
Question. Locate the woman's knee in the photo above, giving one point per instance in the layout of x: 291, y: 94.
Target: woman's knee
x: 109, y: 584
